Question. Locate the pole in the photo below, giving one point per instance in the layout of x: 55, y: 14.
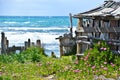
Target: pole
x: 71, y: 25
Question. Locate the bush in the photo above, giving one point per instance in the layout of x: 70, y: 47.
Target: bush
x: 100, y: 53
x: 33, y: 54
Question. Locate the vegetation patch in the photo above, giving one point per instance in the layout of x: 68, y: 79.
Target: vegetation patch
x: 33, y: 64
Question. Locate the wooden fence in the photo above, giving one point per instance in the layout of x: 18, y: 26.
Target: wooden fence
x: 6, y: 49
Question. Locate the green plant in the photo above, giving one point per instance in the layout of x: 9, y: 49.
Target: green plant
x: 36, y: 66
x: 100, y: 53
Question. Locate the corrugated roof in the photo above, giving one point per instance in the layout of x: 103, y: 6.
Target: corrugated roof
x: 109, y: 8
x: 116, y: 12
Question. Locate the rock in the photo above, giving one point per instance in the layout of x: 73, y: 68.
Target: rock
x: 51, y: 77
x: 101, y: 77
x: 110, y: 79
x: 95, y: 77
x: 118, y: 78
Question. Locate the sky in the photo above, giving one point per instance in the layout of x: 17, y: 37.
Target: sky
x: 46, y: 7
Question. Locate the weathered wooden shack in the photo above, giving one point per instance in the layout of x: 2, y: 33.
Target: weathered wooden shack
x: 101, y: 23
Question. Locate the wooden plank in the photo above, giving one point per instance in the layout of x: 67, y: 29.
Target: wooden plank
x: 117, y: 29
x: 82, y: 37
x: 113, y: 42
x: 16, y: 47
x: 116, y: 44
x: 100, y: 29
x: 80, y: 54
x: 89, y: 29
x: 116, y: 52
x: 103, y: 29
x: 83, y: 42
x: 110, y: 40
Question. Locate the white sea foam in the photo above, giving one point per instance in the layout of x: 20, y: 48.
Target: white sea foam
x: 10, y: 22
x: 18, y: 39
x: 18, y: 35
x: 46, y: 38
x: 41, y: 21
x: 27, y: 22
x: 35, y: 28
x: 19, y: 29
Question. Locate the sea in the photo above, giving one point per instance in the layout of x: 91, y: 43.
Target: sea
x: 19, y: 29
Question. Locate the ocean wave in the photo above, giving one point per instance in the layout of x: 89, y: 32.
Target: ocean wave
x: 17, y: 37
x: 42, y: 21
x: 46, y: 28
x: 37, y: 28
x: 7, y: 22
x: 27, y: 22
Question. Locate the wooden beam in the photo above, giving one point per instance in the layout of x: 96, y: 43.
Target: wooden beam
x: 82, y: 37
x: 87, y: 37
x: 3, y: 43
x: 97, y: 30
x: 116, y: 52
x: 83, y: 42
x: 79, y: 55
x: 116, y: 44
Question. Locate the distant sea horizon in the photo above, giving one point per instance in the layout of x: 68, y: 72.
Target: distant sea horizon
x: 46, y: 28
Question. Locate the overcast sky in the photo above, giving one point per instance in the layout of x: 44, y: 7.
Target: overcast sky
x: 46, y: 7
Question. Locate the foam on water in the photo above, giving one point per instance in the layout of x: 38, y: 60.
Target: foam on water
x: 9, y: 22
x: 36, y: 28
x: 47, y: 39
x: 20, y: 29
x: 27, y: 22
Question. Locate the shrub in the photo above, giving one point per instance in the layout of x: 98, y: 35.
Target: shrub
x: 33, y: 54
x: 100, y: 53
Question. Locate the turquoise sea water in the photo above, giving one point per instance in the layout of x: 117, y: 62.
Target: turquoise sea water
x: 46, y: 28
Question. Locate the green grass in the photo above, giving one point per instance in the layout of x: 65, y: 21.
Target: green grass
x: 32, y: 64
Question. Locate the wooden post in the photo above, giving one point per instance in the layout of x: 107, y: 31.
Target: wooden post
x: 80, y: 21
x: 38, y: 43
x: 61, y: 46
x: 13, y: 49
x: 71, y: 25
x: 3, y: 49
x: 26, y: 45
x: 33, y: 44
x: 29, y: 43
x: 7, y: 46
x: 78, y: 48
x: 53, y: 55
x: 5, y: 43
